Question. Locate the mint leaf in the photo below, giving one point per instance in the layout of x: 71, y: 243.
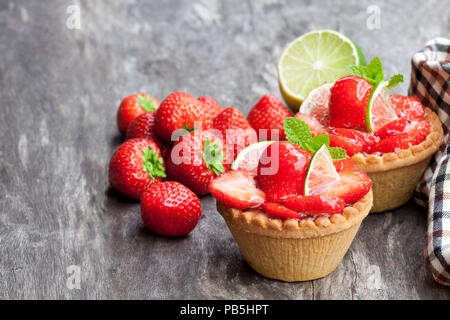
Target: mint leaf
x: 337, y: 153
x: 320, y: 140
x: 146, y: 103
x: 213, y: 157
x: 359, y: 71
x: 375, y: 70
x: 153, y: 164
x: 297, y: 132
x: 395, y: 80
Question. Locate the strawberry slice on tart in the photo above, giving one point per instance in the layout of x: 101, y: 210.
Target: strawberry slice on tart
x: 237, y: 189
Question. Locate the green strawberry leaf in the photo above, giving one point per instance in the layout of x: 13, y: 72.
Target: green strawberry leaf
x: 153, y: 164
x: 189, y: 129
x: 298, y: 132
x: 146, y: 103
x: 395, y: 80
x: 213, y: 156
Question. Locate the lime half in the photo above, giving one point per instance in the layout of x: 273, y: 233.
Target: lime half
x: 379, y: 109
x: 321, y: 172
x: 313, y: 59
x: 248, y: 158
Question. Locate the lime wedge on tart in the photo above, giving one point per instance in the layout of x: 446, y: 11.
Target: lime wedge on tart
x: 317, y: 103
x: 313, y: 59
x: 321, y: 172
x: 248, y: 158
x: 379, y: 108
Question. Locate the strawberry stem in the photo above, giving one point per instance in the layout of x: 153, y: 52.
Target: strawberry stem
x: 153, y: 164
x: 146, y: 103
x: 213, y: 156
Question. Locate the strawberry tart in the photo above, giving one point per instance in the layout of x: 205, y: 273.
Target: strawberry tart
x: 295, y: 216
x: 390, y: 137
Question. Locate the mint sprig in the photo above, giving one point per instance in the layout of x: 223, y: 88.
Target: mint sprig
x: 213, y: 156
x: 153, y: 164
x: 373, y: 73
x: 298, y: 132
x: 146, y: 103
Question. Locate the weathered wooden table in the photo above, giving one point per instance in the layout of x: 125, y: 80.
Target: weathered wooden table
x: 60, y: 86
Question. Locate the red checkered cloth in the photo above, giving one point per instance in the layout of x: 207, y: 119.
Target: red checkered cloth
x: 430, y: 82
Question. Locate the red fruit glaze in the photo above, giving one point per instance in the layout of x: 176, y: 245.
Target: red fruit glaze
x: 278, y: 211
x: 281, y: 170
x: 351, y: 186
x: 414, y: 134
x: 126, y: 168
x: 237, y: 189
x: 130, y: 109
x: 186, y: 164
x: 267, y: 114
x: 393, y: 127
x: 344, y: 164
x: 348, y: 102
x: 316, y: 204
x: 180, y: 110
x: 407, y: 107
x: 170, y: 209
x: 213, y: 107
x: 353, y: 141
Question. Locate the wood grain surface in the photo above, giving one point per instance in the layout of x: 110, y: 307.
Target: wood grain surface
x: 59, y: 91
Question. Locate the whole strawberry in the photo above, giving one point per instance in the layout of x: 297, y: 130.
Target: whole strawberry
x: 133, y: 106
x: 235, y: 131
x: 135, y: 166
x: 213, y: 107
x: 268, y: 114
x: 180, y: 110
x: 348, y: 102
x: 282, y: 170
x: 170, y: 209
x: 144, y: 127
x: 196, y: 159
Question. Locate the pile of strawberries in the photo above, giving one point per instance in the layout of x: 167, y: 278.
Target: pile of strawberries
x: 174, y: 149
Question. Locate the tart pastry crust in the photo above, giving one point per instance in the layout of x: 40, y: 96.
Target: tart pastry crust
x: 395, y: 175
x: 293, y: 250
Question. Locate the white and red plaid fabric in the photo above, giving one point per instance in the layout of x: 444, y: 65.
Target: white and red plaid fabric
x: 430, y: 82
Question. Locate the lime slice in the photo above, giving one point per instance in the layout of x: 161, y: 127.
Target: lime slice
x: 317, y: 103
x: 248, y: 158
x: 313, y: 59
x: 321, y: 172
x: 379, y: 109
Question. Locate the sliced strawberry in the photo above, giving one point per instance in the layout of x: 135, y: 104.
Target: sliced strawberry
x: 353, y: 141
x: 282, y: 170
x: 313, y: 124
x: 348, y: 102
x: 351, y: 186
x: 345, y: 143
x: 237, y: 189
x: 393, y: 127
x: 414, y: 134
x: 315, y: 204
x: 407, y: 107
x: 278, y: 211
x: 344, y: 164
